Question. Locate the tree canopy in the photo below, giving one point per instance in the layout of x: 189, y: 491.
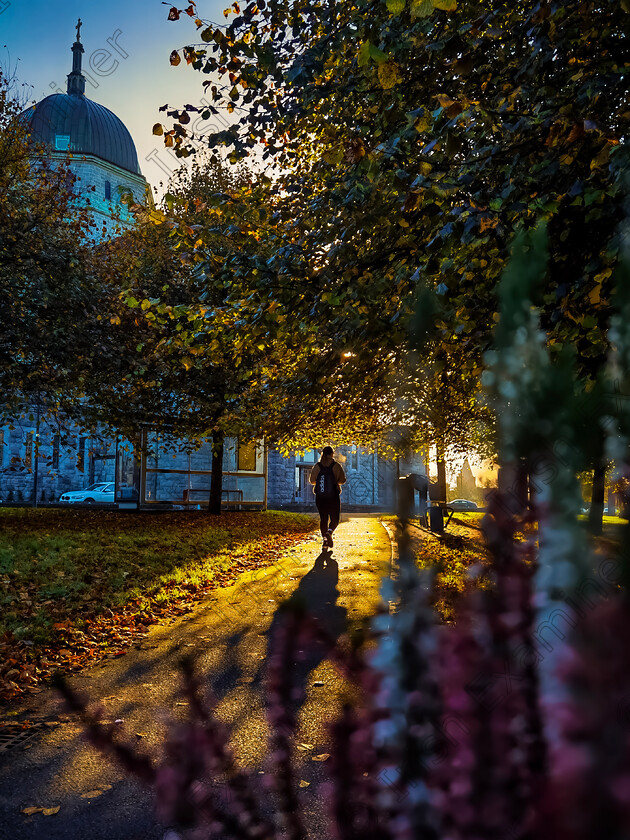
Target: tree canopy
x: 408, y: 141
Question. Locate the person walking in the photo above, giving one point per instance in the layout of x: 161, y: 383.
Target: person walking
x: 327, y: 476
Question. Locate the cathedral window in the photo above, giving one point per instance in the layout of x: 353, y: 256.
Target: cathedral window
x: 108, y: 190
x: 55, y: 452
x: 62, y: 142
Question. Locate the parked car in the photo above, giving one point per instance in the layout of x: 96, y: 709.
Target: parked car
x: 102, y: 492
x: 462, y: 504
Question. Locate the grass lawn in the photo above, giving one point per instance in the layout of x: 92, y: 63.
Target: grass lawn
x: 77, y: 585
x: 462, y: 548
x: 452, y: 556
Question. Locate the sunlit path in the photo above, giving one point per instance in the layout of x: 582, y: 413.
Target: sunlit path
x: 228, y: 635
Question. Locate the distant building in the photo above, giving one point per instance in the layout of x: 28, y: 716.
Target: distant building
x: 466, y: 484
x: 39, y: 463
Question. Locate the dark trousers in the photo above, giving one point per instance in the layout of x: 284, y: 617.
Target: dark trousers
x: 329, y: 510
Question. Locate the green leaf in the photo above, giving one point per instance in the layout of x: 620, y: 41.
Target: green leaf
x: 395, y: 7
x: 421, y: 8
x: 364, y: 54
x: 445, y: 5
x: 378, y: 55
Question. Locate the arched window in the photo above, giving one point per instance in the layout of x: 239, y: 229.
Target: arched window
x: 108, y: 190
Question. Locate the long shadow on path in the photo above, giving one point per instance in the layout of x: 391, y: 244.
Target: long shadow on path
x: 317, y: 596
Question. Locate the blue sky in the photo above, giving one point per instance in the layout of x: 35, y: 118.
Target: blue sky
x: 36, y: 38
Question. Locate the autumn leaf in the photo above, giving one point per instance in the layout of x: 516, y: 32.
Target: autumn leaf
x: 175, y: 58
x: 424, y: 122
x: 388, y: 75
x: 158, y: 130
x: 32, y: 809
x: 173, y: 13
x: 49, y: 812
x: 304, y: 784
x: 444, y: 100
x: 92, y: 794
x: 445, y: 5
x: 322, y: 757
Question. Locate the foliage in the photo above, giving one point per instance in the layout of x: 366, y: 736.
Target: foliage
x: 410, y: 140
x: 77, y: 586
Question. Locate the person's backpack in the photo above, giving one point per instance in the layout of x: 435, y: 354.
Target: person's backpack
x: 326, y: 486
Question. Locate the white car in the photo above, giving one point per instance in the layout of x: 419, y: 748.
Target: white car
x: 102, y: 492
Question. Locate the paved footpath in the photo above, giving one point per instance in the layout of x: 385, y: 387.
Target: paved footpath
x: 228, y: 633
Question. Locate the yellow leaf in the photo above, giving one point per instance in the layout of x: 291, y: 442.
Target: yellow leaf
x: 32, y: 809
x: 114, y: 319
x: 91, y: 794
x: 444, y: 100
x: 304, y: 784
x: 595, y: 294
x: 388, y: 74
x: 603, y: 275
x: 49, y: 812
x: 423, y: 123
x: 445, y: 5
x: 188, y: 363
x: 322, y: 757
x: 157, y: 129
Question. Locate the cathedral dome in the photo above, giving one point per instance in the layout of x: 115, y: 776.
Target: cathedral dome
x: 70, y: 122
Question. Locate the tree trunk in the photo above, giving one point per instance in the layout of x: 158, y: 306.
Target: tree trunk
x: 597, y: 499
x: 440, y: 457
x: 216, y: 479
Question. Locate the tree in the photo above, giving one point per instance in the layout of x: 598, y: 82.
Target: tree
x: 48, y: 312
x: 412, y: 138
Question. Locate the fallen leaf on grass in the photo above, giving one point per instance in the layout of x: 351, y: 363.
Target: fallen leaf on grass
x: 322, y: 757
x: 304, y: 784
x: 49, y: 812
x: 305, y: 747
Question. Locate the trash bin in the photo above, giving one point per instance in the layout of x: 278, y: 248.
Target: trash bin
x: 436, y: 519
